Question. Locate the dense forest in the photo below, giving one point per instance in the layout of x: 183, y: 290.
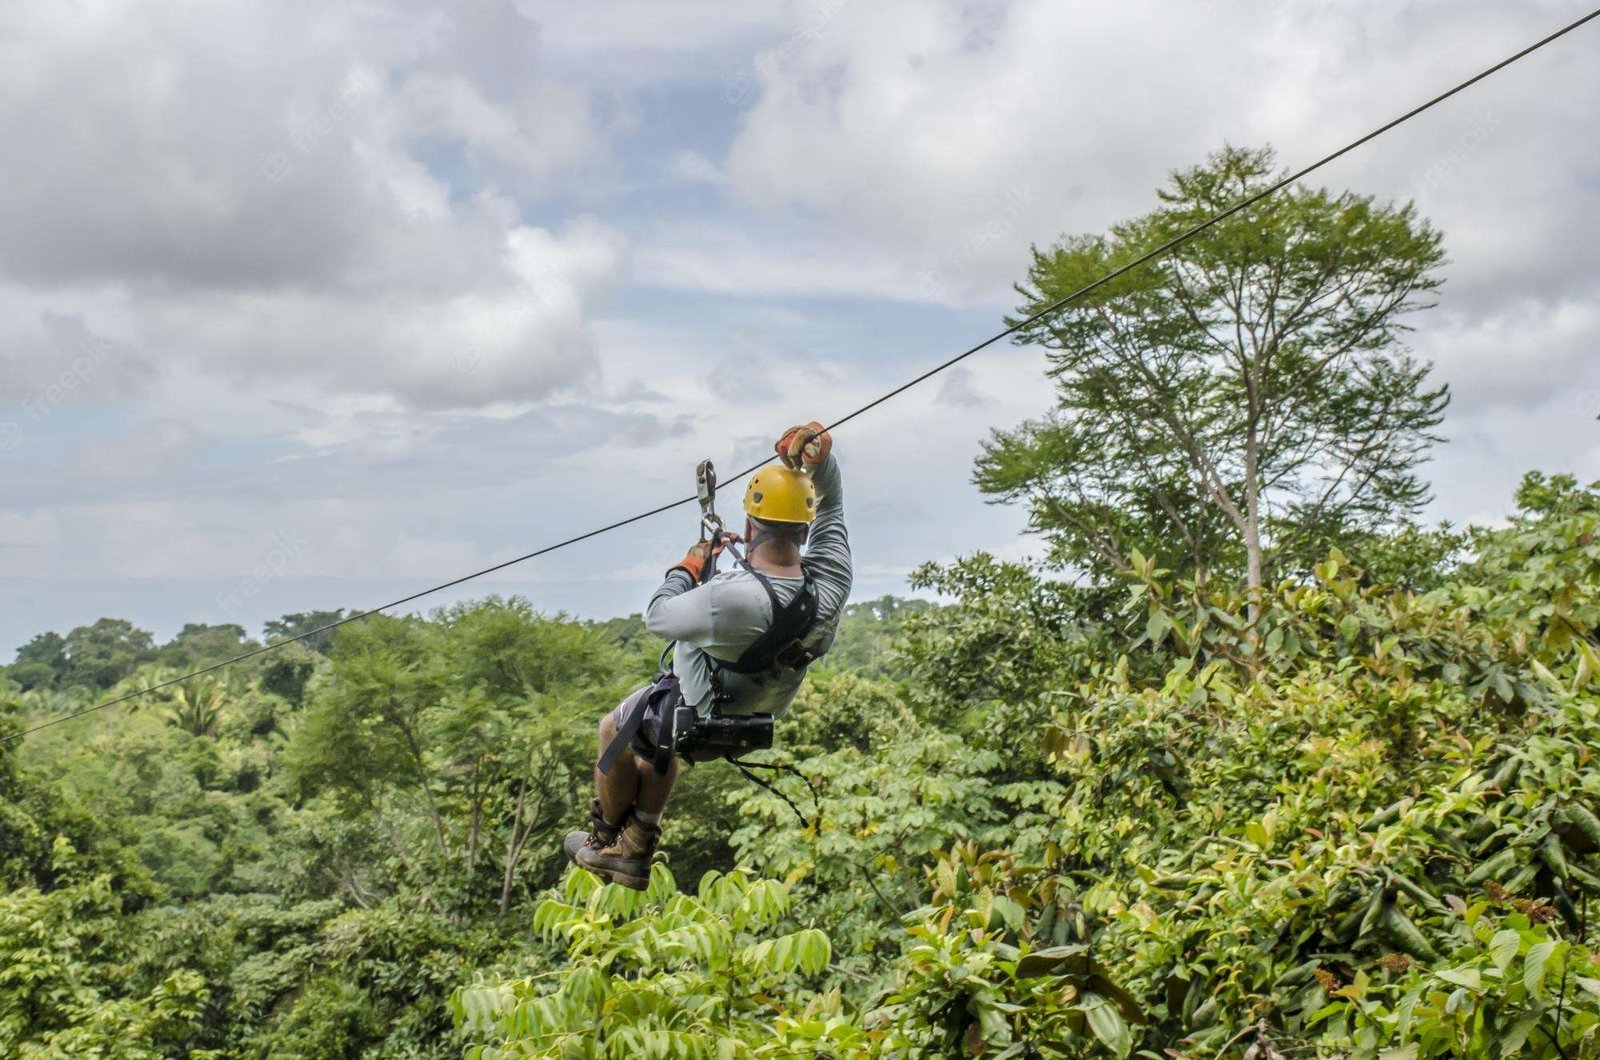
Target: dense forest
x: 1250, y: 763
x: 1363, y: 820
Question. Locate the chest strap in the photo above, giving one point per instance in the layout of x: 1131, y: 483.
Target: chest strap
x: 782, y: 645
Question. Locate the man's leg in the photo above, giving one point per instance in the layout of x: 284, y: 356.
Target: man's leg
x: 614, y: 795
x: 626, y: 860
x: 653, y: 788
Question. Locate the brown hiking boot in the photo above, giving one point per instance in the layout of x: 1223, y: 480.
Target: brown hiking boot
x: 601, y: 834
x: 627, y: 860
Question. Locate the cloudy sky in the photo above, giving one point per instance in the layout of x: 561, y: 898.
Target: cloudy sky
x: 311, y: 304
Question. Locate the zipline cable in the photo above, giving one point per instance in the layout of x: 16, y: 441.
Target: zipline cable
x: 1053, y: 307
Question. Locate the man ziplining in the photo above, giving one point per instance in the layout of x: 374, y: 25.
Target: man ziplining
x: 742, y: 641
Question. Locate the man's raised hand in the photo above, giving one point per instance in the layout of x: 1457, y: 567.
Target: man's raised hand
x: 808, y: 444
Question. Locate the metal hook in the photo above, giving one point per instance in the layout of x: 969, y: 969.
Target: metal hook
x: 705, y: 482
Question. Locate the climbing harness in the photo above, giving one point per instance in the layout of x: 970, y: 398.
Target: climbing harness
x: 670, y: 727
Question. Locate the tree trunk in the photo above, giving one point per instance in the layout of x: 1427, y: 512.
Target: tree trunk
x: 476, y: 794
x: 415, y: 748
x: 514, y: 843
x: 1252, y: 523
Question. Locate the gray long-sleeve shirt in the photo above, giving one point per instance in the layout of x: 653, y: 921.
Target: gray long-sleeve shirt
x: 723, y: 617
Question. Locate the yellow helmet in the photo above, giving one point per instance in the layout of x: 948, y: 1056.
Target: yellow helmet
x: 779, y: 494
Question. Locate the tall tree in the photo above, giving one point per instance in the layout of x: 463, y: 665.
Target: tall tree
x: 1228, y: 405
x: 39, y: 662
x: 301, y: 623
x: 453, y: 738
x: 199, y: 644
x: 100, y: 655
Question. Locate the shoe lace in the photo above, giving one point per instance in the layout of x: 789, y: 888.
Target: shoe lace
x: 599, y: 839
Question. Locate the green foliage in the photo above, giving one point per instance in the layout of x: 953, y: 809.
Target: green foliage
x: 301, y: 624
x: 1360, y: 818
x: 456, y: 741
x: 663, y: 974
x: 1517, y: 988
x: 200, y: 836
x: 198, y: 645
x: 1304, y: 831
x: 869, y: 633
x: 39, y: 662
x: 883, y: 815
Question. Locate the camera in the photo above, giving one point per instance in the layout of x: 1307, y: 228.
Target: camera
x: 724, y: 736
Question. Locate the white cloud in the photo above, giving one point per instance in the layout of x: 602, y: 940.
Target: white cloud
x: 519, y: 332
x: 57, y: 359
x: 318, y: 190
x: 973, y: 130
x: 152, y: 449
x: 960, y: 388
x: 633, y: 42
x: 1517, y: 353
x: 27, y: 539
x: 719, y: 258
x: 694, y: 168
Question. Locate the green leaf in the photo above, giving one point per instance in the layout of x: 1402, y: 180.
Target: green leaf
x: 1055, y: 960
x: 1258, y: 834
x: 1157, y: 627
x: 1513, y: 1041
x: 1467, y: 976
x: 1534, y: 966
x: 1010, y: 912
x: 1503, y: 948
x: 1107, y: 1023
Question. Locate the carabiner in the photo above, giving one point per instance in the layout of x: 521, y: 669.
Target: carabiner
x: 705, y: 482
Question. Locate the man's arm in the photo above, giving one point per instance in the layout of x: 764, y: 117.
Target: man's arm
x: 680, y: 610
x: 827, y: 556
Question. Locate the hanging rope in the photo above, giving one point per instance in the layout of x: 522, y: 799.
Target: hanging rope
x: 779, y: 767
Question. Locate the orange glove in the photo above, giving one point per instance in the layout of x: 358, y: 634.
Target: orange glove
x: 694, y: 563
x: 809, y: 444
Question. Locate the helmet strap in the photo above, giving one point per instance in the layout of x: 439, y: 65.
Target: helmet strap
x: 760, y: 534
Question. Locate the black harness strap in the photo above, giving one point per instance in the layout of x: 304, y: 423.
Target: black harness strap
x: 673, y: 719
x: 633, y: 710
x: 782, y: 644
